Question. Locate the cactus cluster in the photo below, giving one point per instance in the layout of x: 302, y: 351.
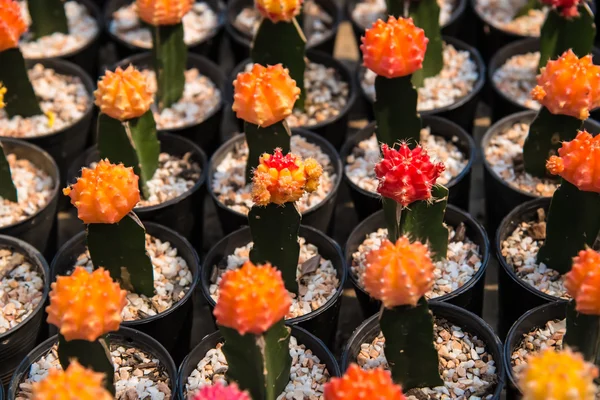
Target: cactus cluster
x: 358, y: 384
x: 76, y: 382
x: 220, y: 392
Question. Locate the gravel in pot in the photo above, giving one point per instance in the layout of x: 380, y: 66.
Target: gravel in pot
x: 202, y: 26
x: 321, y: 276
x: 167, y: 316
x: 24, y: 285
x: 444, y: 140
x: 452, y: 94
x: 143, y: 368
x: 470, y: 354
x: 36, y: 177
x: 206, y: 365
x: 459, y: 279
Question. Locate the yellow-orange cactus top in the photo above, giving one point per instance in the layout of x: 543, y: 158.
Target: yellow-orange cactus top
x: 358, y: 384
x: 569, y: 86
x: 12, y: 25
x: 278, y: 10
x: 283, y: 179
x: 76, y: 383
x: 394, y: 48
x: 556, y: 375
x: 583, y: 282
x: 163, y: 12
x: 578, y: 162
x: 264, y: 96
x: 86, y: 306
x: 398, y: 274
x: 2, y: 93
x: 105, y: 194
x: 252, y: 299
x: 123, y: 94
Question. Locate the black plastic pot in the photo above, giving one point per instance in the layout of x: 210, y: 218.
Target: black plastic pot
x: 517, y: 296
x: 501, y: 196
x: 461, y: 112
x: 469, y: 296
x: 369, y: 330
x: 206, y: 133
x: 240, y: 41
x: 125, y: 336
x: 319, y: 217
x: 321, y: 322
x: 210, y: 342
x: 536, y: 318
x: 184, y: 213
x: 366, y: 203
x: 334, y: 130
x: 208, y: 47
x: 20, y: 340
x: 172, y: 328
x: 36, y: 230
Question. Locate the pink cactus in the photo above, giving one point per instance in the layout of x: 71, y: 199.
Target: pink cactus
x: 220, y: 392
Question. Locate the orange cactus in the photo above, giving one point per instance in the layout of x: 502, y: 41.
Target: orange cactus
x: 163, y: 12
x: 252, y: 299
x: 358, y: 384
x: 105, y: 194
x: 399, y: 274
x: 394, y: 48
x: 583, y: 282
x: 278, y: 10
x: 264, y: 96
x: 578, y: 162
x: 86, y: 306
x: 569, y: 86
x: 12, y: 25
x: 76, y: 383
x: 123, y: 94
x: 280, y: 180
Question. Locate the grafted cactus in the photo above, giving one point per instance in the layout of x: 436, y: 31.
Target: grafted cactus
x: 59, y: 384
x: 358, y: 384
x: 220, y: 392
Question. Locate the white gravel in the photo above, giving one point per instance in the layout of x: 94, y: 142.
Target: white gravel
x: 501, y: 14
x: 307, y: 375
x: 367, y: 12
x: 517, y: 77
x: 455, y: 81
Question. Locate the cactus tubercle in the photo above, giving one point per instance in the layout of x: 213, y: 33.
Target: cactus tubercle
x: 583, y: 282
x: 123, y: 94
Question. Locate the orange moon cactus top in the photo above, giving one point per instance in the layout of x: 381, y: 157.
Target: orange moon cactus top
x: 86, y: 305
x: 76, y: 383
x: 583, y: 282
x: 358, y: 384
x: 123, y: 94
x: 252, y: 299
x: 394, y: 48
x: 265, y: 95
x: 278, y: 10
x: 399, y: 274
x: 105, y: 194
x: 283, y: 179
x: 569, y: 86
x: 163, y: 12
x: 558, y: 375
x: 12, y: 24
x: 578, y: 162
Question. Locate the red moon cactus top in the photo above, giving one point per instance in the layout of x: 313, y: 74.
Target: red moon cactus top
x: 358, y: 384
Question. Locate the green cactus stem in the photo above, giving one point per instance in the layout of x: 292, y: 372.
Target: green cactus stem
x: 282, y: 43
x: 47, y: 17
x: 560, y: 34
x: 274, y: 231
x: 395, y: 111
x: 170, y: 58
x: 583, y: 333
x: 20, y: 98
x: 133, y: 143
x: 546, y: 134
x: 409, y: 350
x: 426, y: 15
x: 396, y: 8
x: 259, y: 364
x: 573, y: 223
x: 527, y: 7
x: 8, y: 191
x: 264, y: 140
x: 421, y: 221
x: 121, y: 249
x: 93, y: 355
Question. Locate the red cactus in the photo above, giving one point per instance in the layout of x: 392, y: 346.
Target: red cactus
x: 279, y: 161
x: 220, y: 392
x: 568, y: 8
x: 406, y: 175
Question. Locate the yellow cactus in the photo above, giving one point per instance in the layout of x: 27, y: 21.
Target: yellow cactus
x: 76, y: 383
x: 278, y: 10
x: 3, y: 91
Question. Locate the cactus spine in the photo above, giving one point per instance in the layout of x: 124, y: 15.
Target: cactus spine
x: 47, y: 17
